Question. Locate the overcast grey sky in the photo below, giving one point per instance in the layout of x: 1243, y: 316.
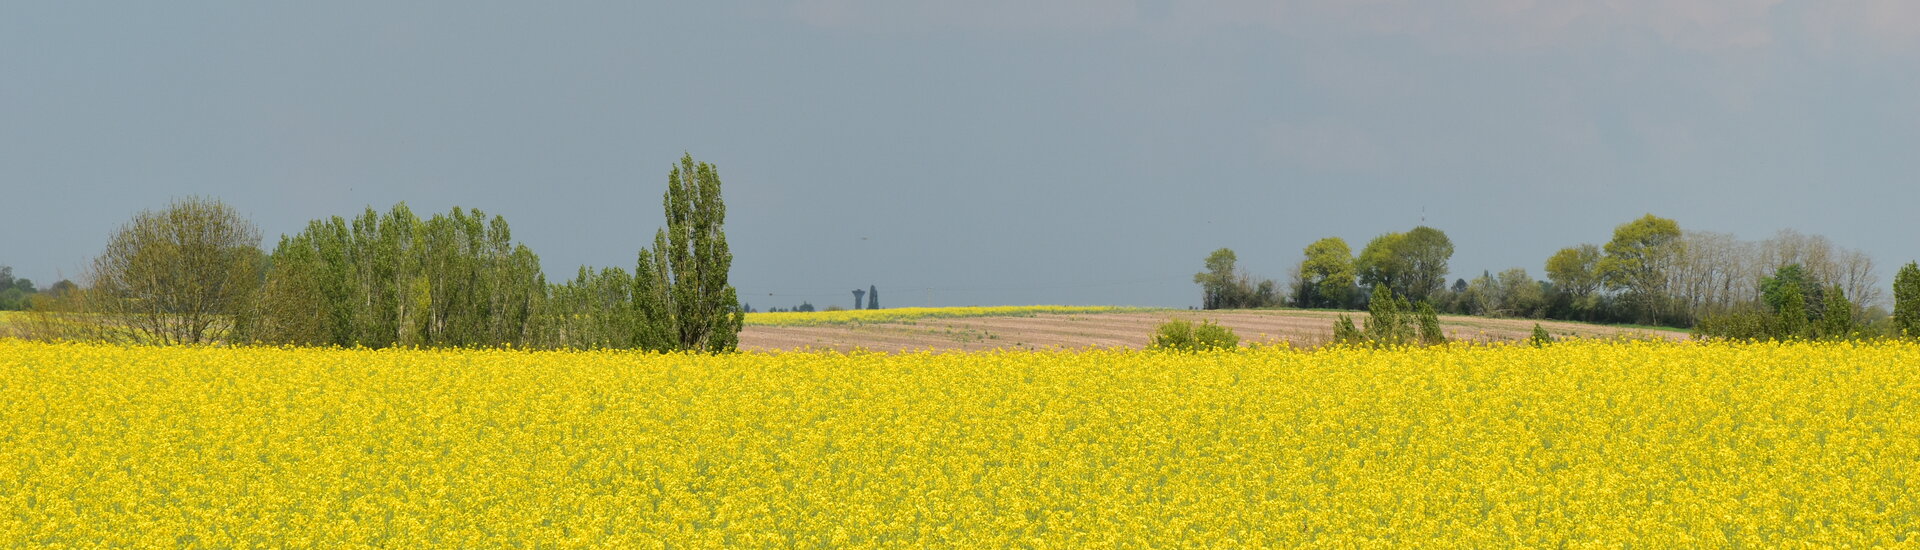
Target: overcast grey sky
x: 974, y: 152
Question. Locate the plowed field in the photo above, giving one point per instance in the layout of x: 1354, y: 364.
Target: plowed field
x: 1123, y: 330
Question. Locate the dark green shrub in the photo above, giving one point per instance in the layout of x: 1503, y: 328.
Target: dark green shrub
x: 1183, y: 335
x: 1345, y: 333
x: 1388, y: 322
x: 1540, y: 336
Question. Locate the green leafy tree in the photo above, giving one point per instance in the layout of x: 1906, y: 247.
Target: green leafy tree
x: 1327, y: 275
x: 455, y: 279
x: 1773, y: 290
x: 15, y: 293
x: 1224, y: 286
x: 1483, y: 295
x: 388, y: 278
x: 1906, y: 300
x: 291, y: 308
x: 1638, y: 260
x: 1575, y: 269
x: 481, y: 288
x: 1381, y: 264
x: 1793, y: 313
x: 592, y: 311
x: 1518, y: 295
x: 1218, y: 283
x: 1575, y: 272
x: 684, y: 295
x: 1836, y: 318
x: 653, y: 327
x: 12, y: 299
x: 1426, y: 251
x: 1411, y: 264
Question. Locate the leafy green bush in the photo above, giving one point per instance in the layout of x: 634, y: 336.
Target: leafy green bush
x: 1391, y: 321
x: 1183, y: 335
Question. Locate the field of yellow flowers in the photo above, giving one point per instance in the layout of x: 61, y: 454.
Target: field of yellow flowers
x: 1581, y: 444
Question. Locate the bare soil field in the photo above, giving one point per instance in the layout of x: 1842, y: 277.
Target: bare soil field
x: 1130, y: 330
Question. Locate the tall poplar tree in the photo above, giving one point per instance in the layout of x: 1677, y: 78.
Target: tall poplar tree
x: 681, y: 295
x: 1906, y: 300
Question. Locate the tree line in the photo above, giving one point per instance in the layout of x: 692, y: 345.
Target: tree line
x: 804, y: 307
x: 1651, y: 272
x: 1411, y: 264
x: 18, y: 293
x: 194, y: 273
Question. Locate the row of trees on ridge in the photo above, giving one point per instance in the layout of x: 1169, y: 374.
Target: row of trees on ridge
x: 1650, y: 272
x: 193, y: 273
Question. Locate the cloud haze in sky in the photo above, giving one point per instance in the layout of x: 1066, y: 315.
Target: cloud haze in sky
x: 986, y: 152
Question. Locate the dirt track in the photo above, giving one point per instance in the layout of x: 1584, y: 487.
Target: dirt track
x: 1049, y: 331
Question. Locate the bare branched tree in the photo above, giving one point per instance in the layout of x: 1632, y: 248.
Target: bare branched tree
x: 176, y: 276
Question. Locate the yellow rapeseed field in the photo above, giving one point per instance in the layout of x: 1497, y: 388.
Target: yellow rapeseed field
x: 1596, y: 444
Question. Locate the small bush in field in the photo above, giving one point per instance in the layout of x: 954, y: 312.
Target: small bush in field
x: 1540, y: 336
x: 1186, y: 336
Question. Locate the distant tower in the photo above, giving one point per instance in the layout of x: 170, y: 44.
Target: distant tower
x: 873, y: 297
x: 857, y: 294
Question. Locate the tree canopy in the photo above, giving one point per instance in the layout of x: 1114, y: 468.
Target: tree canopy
x: 179, y: 275
x: 1906, y: 300
x: 1637, y: 261
x: 1224, y: 286
x: 1411, y: 264
x: 1327, y: 274
x: 1575, y: 269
